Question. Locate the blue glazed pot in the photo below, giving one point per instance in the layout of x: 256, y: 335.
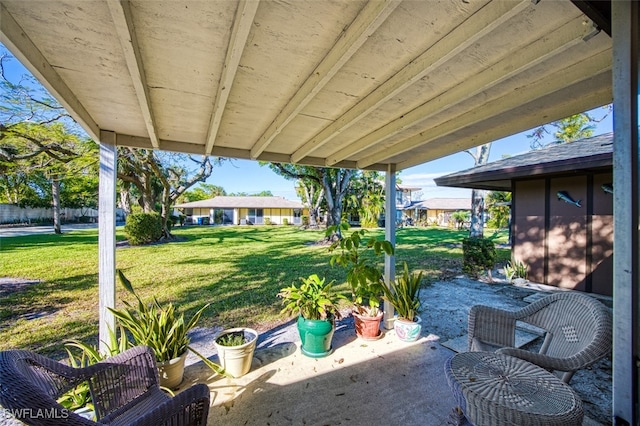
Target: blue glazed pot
x: 316, y: 336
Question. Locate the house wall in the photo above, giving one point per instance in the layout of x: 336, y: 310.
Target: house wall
x: 275, y: 215
x: 564, y: 245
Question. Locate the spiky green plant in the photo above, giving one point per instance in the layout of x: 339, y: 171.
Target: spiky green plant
x: 403, y: 293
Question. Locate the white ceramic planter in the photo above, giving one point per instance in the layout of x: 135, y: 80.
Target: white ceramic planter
x: 236, y: 360
x: 408, y: 331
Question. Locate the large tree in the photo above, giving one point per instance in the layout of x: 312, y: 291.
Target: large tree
x: 334, y: 183
x: 367, y: 196
x: 204, y: 191
x: 476, y: 228
x: 162, y: 177
x: 569, y: 129
x: 40, y: 147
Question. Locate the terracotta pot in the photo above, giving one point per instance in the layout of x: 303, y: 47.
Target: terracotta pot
x: 367, y: 327
x: 236, y: 360
x: 172, y: 371
x: 408, y: 331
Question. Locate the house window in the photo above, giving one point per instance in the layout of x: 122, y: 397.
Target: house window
x: 255, y: 217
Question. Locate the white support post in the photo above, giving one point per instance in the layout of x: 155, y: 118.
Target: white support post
x: 107, y: 234
x: 390, y: 235
x: 626, y: 208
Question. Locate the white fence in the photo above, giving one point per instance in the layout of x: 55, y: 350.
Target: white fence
x: 10, y: 213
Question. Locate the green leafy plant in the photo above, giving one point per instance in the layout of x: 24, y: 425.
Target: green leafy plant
x: 232, y: 339
x: 516, y: 269
x: 80, y: 396
x: 479, y: 254
x: 363, y: 275
x: 313, y: 299
x: 403, y: 293
x: 159, y: 327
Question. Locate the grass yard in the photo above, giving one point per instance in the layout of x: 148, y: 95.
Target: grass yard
x: 239, y: 270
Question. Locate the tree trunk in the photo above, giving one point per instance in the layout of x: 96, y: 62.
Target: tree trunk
x: 476, y: 228
x: 125, y: 200
x: 166, y: 213
x: 55, y: 196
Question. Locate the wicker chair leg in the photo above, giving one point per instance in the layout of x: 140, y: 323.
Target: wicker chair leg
x: 457, y: 418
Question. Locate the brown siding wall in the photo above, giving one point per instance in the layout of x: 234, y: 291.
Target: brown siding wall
x: 577, y: 241
x: 529, y: 231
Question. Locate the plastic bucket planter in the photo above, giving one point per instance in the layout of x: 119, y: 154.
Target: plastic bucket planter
x: 236, y: 360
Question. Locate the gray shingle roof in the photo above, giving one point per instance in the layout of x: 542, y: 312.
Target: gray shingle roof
x: 231, y: 202
x: 589, y: 153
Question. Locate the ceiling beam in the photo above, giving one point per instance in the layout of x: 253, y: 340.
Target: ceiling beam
x: 516, y: 61
x: 372, y: 15
x: 531, y: 91
x: 126, y: 33
x: 245, y: 14
x: 556, y: 111
x: 17, y: 41
x: 464, y: 35
x: 221, y: 151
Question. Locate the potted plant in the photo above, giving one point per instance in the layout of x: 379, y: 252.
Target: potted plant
x: 403, y: 295
x: 364, y: 277
x: 163, y: 330
x: 235, y: 348
x: 317, y: 309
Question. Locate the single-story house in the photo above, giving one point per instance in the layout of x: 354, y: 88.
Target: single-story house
x: 437, y: 211
x: 241, y: 210
x: 561, y: 210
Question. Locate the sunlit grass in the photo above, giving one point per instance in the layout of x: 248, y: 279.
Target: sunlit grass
x: 239, y: 270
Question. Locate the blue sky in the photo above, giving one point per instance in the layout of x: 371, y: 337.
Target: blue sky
x: 248, y: 176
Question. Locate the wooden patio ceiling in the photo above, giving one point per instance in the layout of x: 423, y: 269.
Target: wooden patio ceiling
x: 352, y: 84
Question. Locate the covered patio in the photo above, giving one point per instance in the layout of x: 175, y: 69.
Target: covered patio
x: 378, y: 85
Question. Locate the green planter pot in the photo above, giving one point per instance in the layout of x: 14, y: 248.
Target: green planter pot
x: 316, y: 337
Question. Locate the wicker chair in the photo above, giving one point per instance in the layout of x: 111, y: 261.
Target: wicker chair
x: 124, y: 390
x: 578, y: 330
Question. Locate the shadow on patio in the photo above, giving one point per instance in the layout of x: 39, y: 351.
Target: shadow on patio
x: 385, y: 381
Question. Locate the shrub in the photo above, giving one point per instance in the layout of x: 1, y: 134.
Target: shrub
x: 285, y: 221
x: 267, y: 221
x: 143, y: 228
x: 478, y: 254
x: 305, y: 220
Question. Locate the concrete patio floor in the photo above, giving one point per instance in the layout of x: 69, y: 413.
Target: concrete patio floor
x: 363, y: 382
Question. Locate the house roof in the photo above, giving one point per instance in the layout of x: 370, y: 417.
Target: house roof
x: 230, y: 202
x: 593, y: 153
x: 444, y: 204
x: 355, y: 84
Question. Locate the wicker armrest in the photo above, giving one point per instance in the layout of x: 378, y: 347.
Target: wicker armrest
x: 492, y: 326
x: 190, y: 407
x: 121, y: 379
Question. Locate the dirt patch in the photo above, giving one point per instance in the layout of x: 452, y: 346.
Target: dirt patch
x: 10, y: 285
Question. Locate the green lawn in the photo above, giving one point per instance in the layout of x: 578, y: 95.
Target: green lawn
x: 239, y: 270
